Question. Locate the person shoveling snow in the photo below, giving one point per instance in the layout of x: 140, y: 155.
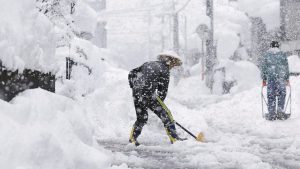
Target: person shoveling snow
x: 149, y: 82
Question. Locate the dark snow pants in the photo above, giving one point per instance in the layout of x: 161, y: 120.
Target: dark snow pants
x: 144, y: 101
x: 276, y: 90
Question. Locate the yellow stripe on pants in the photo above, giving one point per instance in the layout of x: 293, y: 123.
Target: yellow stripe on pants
x: 170, y: 116
x: 165, y: 108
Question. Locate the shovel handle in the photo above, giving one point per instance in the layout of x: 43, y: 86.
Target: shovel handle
x: 186, y: 130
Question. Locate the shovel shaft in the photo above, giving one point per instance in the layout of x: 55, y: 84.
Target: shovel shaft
x: 186, y: 130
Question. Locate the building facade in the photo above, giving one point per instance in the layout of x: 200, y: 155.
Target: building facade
x: 290, y: 25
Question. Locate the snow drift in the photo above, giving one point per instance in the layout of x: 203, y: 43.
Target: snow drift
x: 44, y: 130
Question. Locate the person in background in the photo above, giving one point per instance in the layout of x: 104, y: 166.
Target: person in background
x: 275, y: 75
x: 147, y: 82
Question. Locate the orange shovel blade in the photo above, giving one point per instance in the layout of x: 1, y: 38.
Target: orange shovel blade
x: 200, y: 137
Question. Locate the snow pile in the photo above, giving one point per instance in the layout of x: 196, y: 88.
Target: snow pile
x: 43, y: 130
x: 294, y: 63
x: 86, y: 75
x: 245, y: 74
x: 112, y: 105
x: 229, y: 23
x: 85, y: 18
x: 27, y: 37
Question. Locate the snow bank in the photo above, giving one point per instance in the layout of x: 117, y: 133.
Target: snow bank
x: 43, y: 130
x: 85, y: 18
x: 245, y: 74
x: 294, y: 63
x: 112, y: 105
x: 92, y: 63
x: 228, y: 24
x: 27, y: 37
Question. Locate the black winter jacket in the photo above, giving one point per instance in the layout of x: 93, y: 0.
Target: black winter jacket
x: 149, y: 78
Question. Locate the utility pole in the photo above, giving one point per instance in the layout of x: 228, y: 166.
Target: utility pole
x: 283, y: 19
x: 175, y: 33
x: 149, y: 35
x: 211, y: 49
x: 100, y: 38
x: 185, y: 35
x: 176, y: 45
x: 204, y: 34
x: 101, y: 28
x: 69, y: 62
x: 162, y: 29
x: 162, y: 33
x: 175, y: 29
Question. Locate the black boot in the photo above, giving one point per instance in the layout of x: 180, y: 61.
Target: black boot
x: 133, y: 136
x: 270, y: 117
x: 283, y: 116
x: 180, y: 139
x: 173, y: 136
x: 135, y: 142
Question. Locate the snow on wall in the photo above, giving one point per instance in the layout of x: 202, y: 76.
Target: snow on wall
x: 27, y: 37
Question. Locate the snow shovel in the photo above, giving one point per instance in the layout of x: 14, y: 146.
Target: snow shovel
x: 288, y: 103
x: 200, y: 136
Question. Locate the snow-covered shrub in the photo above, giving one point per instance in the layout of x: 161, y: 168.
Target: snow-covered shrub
x: 27, y: 37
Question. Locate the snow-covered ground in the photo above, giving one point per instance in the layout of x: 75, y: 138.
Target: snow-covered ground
x: 236, y: 134
x: 44, y: 130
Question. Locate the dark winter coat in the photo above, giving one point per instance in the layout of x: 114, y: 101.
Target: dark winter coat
x: 275, y: 66
x: 149, y: 78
